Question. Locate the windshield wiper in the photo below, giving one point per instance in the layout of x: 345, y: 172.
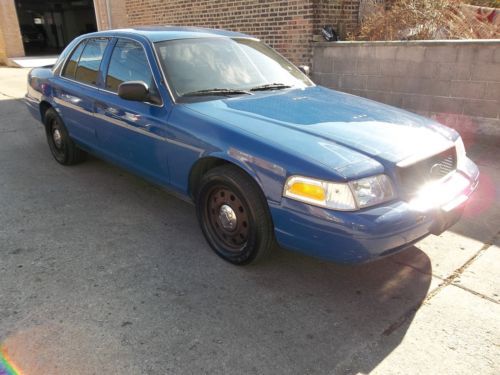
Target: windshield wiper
x: 217, y: 91
x: 270, y: 86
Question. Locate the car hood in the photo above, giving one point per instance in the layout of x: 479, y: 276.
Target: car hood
x: 317, y: 121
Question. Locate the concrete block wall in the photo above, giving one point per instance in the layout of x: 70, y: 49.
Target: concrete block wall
x: 455, y: 82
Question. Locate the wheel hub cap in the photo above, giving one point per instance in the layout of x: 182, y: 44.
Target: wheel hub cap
x: 227, y: 217
x: 57, y: 137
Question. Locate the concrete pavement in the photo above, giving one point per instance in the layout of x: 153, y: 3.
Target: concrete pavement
x: 101, y: 272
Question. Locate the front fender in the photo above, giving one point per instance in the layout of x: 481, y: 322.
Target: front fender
x: 196, y: 137
x: 269, y: 176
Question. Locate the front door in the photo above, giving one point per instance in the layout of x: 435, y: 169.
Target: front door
x: 132, y: 133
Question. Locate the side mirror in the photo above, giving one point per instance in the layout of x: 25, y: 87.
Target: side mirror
x: 305, y: 69
x: 134, y: 90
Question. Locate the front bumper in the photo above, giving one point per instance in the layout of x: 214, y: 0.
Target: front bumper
x: 368, y: 234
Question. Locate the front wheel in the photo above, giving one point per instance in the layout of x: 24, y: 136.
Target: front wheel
x: 234, y: 216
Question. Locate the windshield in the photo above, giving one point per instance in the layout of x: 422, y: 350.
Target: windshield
x: 224, y: 64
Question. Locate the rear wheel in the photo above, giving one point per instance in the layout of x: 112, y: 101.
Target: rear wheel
x: 64, y: 150
x: 233, y: 215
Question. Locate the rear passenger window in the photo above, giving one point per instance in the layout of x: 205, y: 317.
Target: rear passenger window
x: 70, y: 68
x: 88, y: 65
x: 129, y: 63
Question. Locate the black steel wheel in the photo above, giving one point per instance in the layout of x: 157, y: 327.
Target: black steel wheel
x: 64, y: 150
x: 234, y: 216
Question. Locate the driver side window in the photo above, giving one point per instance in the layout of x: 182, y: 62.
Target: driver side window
x: 129, y: 63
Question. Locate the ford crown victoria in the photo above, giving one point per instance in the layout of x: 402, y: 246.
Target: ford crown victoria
x: 266, y: 156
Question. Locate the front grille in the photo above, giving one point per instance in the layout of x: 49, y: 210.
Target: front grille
x: 414, y: 176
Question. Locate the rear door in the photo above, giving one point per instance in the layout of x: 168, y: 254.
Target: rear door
x: 134, y: 134
x: 75, y: 91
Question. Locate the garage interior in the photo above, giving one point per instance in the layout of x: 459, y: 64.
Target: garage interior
x: 48, y: 26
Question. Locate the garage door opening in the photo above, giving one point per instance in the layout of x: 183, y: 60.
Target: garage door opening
x: 48, y: 26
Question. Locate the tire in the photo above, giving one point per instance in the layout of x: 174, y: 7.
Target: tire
x: 64, y: 150
x: 233, y: 215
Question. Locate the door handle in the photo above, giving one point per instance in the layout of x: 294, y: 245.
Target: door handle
x: 122, y: 116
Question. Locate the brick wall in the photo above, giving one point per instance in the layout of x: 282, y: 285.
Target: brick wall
x: 3, y: 54
x: 11, y: 43
x: 119, y: 18
x: 287, y: 25
x: 341, y: 14
x: 456, y: 82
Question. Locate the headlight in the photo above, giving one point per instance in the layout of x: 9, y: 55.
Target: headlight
x: 460, y: 149
x: 372, y: 190
x: 340, y: 196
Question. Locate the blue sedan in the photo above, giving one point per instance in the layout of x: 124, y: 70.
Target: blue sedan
x: 222, y: 120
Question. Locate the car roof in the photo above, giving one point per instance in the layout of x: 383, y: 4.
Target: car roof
x: 161, y: 33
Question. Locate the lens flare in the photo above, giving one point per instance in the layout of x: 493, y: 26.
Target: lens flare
x: 486, y: 198
x: 447, y: 194
x: 7, y: 366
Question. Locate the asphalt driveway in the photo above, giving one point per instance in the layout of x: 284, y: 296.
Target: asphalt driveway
x: 102, y: 272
